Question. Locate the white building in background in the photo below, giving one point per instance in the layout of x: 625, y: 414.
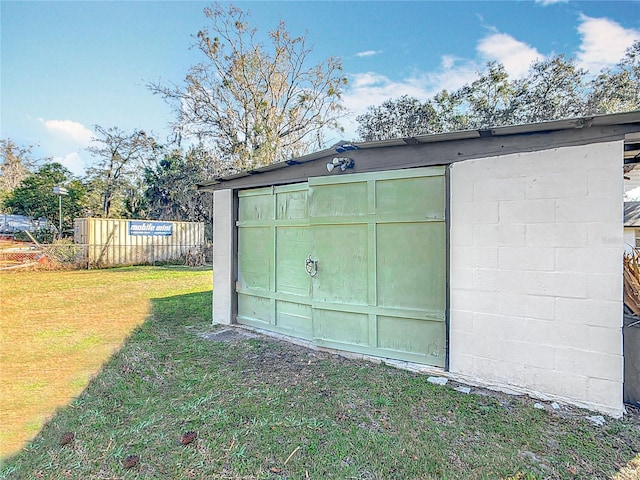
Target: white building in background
x: 16, y: 223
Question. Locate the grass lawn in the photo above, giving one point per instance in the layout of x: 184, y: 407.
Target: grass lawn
x: 58, y: 328
x: 262, y: 408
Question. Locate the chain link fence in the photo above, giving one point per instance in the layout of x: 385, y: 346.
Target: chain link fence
x: 65, y: 255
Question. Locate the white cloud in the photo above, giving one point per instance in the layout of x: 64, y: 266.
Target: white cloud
x: 70, y: 129
x: 367, y: 89
x: 63, y: 141
x: 448, y: 61
x: 516, y: 56
x: 371, y: 89
x: 602, y: 40
x: 368, y: 53
x: 452, y: 74
x: 603, y: 43
x: 545, y: 3
x: 73, y: 162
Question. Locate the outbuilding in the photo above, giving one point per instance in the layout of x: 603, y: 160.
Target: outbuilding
x: 494, y: 255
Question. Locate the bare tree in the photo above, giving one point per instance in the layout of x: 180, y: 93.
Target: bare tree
x: 119, y: 155
x: 255, y: 104
x: 16, y: 164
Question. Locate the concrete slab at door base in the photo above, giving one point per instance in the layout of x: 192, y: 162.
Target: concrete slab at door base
x: 429, y: 370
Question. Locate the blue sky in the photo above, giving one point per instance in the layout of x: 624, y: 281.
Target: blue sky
x: 69, y: 65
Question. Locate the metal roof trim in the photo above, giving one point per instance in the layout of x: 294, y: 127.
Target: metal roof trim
x: 552, y: 125
x: 632, y: 214
x: 616, y: 118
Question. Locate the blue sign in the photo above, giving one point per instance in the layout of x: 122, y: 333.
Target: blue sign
x: 151, y: 228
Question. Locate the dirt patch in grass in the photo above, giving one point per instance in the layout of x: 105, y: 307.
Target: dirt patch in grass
x: 229, y: 335
x: 262, y: 408
x: 564, y: 430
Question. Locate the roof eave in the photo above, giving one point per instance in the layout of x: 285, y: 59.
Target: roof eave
x: 552, y: 125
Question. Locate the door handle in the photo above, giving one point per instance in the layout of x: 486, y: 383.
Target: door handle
x: 311, y: 266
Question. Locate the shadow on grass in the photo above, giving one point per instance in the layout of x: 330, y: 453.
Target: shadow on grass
x: 265, y: 409
x: 169, y: 312
x: 183, y: 309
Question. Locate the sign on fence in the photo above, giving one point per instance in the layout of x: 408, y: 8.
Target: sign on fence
x: 151, y: 228
x: 113, y: 241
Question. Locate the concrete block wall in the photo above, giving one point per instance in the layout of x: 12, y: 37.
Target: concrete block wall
x: 223, y: 274
x: 536, y: 272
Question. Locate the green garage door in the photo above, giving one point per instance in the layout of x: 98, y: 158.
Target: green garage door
x: 379, y: 243
x: 274, y: 290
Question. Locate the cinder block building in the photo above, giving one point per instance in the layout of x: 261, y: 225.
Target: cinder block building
x: 493, y: 256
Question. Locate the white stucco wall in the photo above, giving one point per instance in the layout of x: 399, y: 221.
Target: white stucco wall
x: 536, y: 272
x: 223, y: 277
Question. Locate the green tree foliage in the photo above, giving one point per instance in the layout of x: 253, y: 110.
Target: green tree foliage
x: 120, y: 158
x: 254, y: 103
x: 34, y: 196
x: 554, y: 88
x: 171, y: 192
x: 449, y: 115
x: 618, y: 89
x: 134, y: 202
x: 489, y: 100
x: 399, y: 118
x: 405, y: 116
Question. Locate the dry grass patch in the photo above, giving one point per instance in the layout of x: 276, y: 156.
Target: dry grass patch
x: 631, y: 471
x: 58, y: 328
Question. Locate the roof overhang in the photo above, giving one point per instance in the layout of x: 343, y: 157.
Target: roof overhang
x: 632, y: 214
x: 599, y: 126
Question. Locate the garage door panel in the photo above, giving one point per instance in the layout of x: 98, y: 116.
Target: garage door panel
x: 292, y: 205
x: 411, y: 267
x: 293, y: 247
x: 341, y: 200
x: 256, y: 205
x: 343, y: 263
x: 420, y: 337
x: 423, y: 197
x: 343, y: 327
x: 255, y: 310
x: 294, y: 319
x: 255, y: 257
